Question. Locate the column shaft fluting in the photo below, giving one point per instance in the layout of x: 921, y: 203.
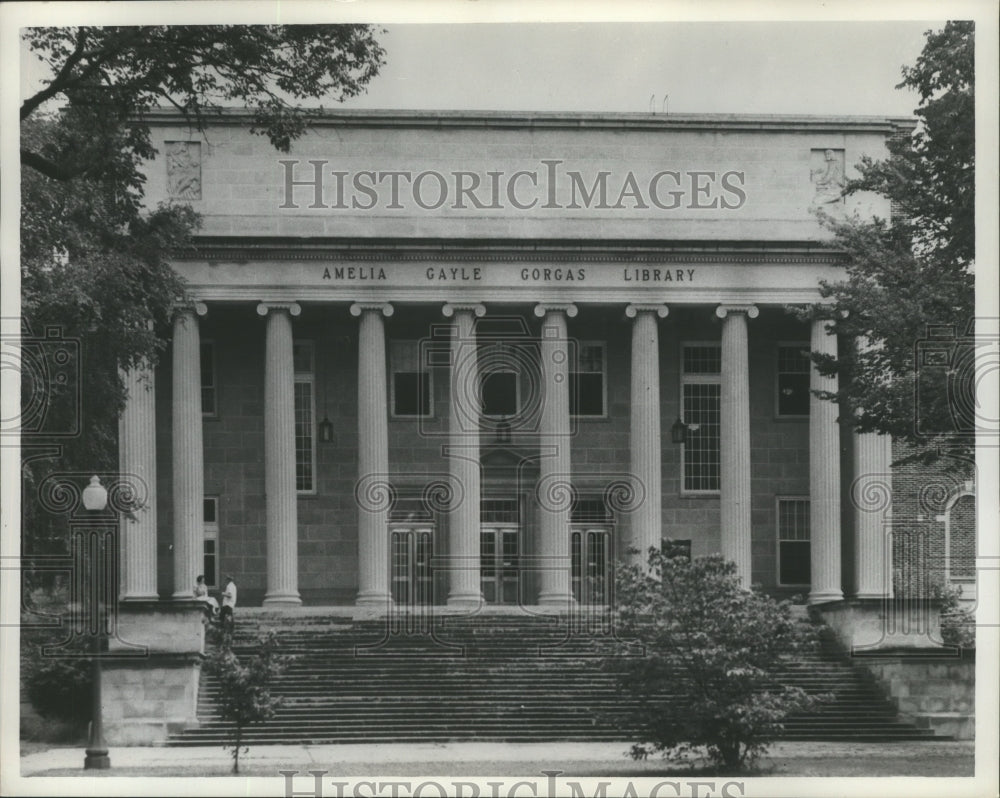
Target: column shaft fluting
x: 463, y: 461
x: 555, y: 478
x: 188, y: 455
x: 824, y: 477
x: 137, y: 460
x: 373, y: 459
x: 872, y: 502
x: 279, y: 460
x: 734, y: 442
x: 646, y: 521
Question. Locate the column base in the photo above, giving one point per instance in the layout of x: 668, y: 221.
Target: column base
x: 872, y: 596
x: 141, y: 597
x: 282, y: 599
x: 469, y: 600
x: 556, y: 600
x: 373, y: 598
x: 823, y: 596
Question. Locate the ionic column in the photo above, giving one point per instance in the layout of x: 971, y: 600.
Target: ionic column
x: 279, y: 455
x: 463, y: 456
x: 646, y: 522
x: 137, y: 456
x: 373, y: 456
x: 555, y: 480
x: 824, y: 477
x: 188, y: 453
x: 871, y: 494
x: 734, y: 438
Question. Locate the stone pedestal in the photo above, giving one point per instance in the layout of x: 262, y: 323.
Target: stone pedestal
x: 149, y: 680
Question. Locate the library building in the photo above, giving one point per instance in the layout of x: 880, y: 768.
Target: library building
x: 469, y: 361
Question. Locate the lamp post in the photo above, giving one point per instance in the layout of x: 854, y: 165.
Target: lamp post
x: 95, y: 499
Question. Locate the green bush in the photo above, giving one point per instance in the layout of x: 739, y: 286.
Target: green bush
x: 712, y: 652
x: 58, y: 683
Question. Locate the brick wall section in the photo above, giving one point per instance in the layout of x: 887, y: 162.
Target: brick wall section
x: 234, y: 468
x: 921, y: 496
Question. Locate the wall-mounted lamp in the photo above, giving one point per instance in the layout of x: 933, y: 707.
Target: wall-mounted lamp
x: 678, y: 432
x: 325, y: 430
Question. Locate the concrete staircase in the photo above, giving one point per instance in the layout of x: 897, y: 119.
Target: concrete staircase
x: 492, y: 677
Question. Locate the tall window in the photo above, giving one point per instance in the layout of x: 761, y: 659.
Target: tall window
x: 587, y: 380
x: 793, y: 542
x: 500, y: 379
x: 701, y: 396
x: 303, y: 358
x: 210, y: 559
x: 411, y: 384
x: 792, y: 380
x: 208, y: 380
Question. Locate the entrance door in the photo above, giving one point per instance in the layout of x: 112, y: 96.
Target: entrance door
x: 499, y: 563
x: 411, y: 548
x: 590, y: 557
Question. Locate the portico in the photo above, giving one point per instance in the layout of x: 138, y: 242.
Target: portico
x: 503, y: 375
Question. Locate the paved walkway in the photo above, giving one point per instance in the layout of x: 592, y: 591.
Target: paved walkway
x: 376, y: 759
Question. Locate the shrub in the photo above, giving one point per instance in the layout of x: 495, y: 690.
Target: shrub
x: 58, y: 684
x: 958, y: 625
x: 708, y: 677
x: 245, y: 687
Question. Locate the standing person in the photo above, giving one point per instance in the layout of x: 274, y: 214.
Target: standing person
x: 201, y: 593
x: 228, y: 604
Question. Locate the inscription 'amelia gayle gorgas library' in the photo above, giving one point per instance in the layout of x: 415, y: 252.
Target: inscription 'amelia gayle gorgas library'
x: 527, y: 274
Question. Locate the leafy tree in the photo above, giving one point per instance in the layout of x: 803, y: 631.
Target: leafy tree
x: 245, y: 687
x: 708, y: 678
x: 95, y: 262
x: 910, y: 282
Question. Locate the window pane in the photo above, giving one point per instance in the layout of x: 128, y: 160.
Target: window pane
x: 795, y: 565
x: 586, y: 394
x: 411, y: 393
x: 793, y: 380
x: 500, y: 393
x: 303, y: 436
x: 793, y: 394
x: 701, y: 449
x: 302, y: 357
x: 209, y: 511
x: 703, y: 359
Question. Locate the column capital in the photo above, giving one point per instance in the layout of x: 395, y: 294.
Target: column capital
x: 197, y: 308
x: 451, y: 308
x: 634, y: 309
x: 751, y: 311
x: 549, y: 307
x: 359, y: 307
x: 293, y: 308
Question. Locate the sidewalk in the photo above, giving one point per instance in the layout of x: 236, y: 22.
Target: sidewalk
x: 489, y: 759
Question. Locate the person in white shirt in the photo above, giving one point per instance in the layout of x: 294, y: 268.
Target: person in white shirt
x: 201, y: 593
x: 228, y: 604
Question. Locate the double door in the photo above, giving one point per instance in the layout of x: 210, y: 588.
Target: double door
x: 499, y: 570
x: 590, y: 562
x: 411, y: 548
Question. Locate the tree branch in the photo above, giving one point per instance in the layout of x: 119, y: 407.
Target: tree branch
x: 52, y: 169
x: 28, y: 106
